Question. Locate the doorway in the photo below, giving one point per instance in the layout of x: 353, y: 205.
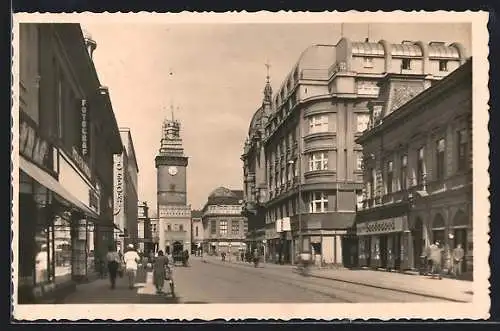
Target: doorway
x: 383, y: 251
x: 418, y: 241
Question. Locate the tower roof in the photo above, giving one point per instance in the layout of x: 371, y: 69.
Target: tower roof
x: 171, y: 142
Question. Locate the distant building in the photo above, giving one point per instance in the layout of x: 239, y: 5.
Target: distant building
x: 174, y: 214
x: 125, y: 174
x: 303, y: 140
x: 196, y: 230
x: 155, y: 236
x: 144, y: 234
x: 224, y: 226
x: 417, y: 163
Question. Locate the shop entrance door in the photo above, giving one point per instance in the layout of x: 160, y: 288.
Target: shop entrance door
x: 383, y: 251
x: 461, y: 238
x: 417, y: 236
x: 397, y: 251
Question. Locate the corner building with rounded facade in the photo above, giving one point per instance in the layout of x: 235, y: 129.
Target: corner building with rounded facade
x: 303, y: 139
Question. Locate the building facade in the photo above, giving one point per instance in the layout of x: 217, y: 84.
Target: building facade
x: 155, y: 235
x: 418, y: 171
x: 144, y: 234
x: 125, y: 177
x: 224, y: 226
x: 65, y: 173
x: 196, y: 231
x: 312, y: 162
x: 174, y: 214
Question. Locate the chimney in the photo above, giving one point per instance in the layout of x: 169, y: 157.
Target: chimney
x: 90, y: 43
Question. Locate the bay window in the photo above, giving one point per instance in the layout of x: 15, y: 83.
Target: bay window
x: 318, y: 123
x: 318, y: 161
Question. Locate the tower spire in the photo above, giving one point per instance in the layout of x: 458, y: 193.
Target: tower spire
x: 267, y: 68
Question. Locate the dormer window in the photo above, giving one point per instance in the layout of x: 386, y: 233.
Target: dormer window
x: 368, y: 62
x: 406, y: 64
x: 443, y: 65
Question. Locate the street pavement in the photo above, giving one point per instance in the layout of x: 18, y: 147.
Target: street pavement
x: 209, y: 280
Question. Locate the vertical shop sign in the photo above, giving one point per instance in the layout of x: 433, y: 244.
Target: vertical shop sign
x: 84, y: 127
x: 118, y: 183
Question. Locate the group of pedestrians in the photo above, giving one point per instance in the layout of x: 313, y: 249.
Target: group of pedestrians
x: 128, y: 264
x: 439, y: 258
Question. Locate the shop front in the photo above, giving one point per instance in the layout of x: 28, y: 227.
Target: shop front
x: 381, y: 244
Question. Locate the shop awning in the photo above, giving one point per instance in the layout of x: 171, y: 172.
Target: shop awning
x: 52, y: 184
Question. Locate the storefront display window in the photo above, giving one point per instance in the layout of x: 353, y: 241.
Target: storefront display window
x: 42, y: 255
x: 62, y: 248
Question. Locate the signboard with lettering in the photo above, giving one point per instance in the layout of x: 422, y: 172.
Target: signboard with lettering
x: 118, y: 184
x: 32, y: 146
x: 80, y: 162
x: 381, y: 226
x: 84, y: 127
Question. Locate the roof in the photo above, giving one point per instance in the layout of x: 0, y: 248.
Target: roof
x: 221, y: 192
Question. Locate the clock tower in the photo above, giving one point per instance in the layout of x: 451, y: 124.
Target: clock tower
x: 171, y: 190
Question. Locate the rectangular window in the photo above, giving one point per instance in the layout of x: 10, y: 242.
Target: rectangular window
x: 362, y: 122
x: 196, y: 230
x: 318, y: 123
x: 372, y: 183
x: 213, y: 227
x: 403, y: 175
x: 368, y: 62
x: 318, y: 202
x: 318, y: 161
x: 223, y: 228
x: 181, y: 227
x: 169, y: 227
x: 420, y: 166
x: 461, y: 149
x: 406, y: 64
x: 440, y: 148
x: 390, y: 173
x: 443, y: 65
x: 359, y: 161
x: 235, y: 227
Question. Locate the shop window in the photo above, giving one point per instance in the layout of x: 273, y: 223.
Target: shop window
x: 43, y: 270
x: 318, y: 161
x: 462, y: 150
x: 63, y: 247
x: 318, y: 202
x: 318, y: 123
x: 403, y: 174
x: 223, y: 228
x: 440, y: 159
x: 317, y: 248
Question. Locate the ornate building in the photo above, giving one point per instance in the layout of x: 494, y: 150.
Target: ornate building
x: 417, y: 170
x: 304, y: 142
x: 224, y: 226
x: 174, y: 215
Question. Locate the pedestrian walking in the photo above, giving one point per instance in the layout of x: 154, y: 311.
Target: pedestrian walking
x: 458, y: 257
x: 436, y: 256
x: 114, y: 261
x: 160, y: 271
x: 131, y: 264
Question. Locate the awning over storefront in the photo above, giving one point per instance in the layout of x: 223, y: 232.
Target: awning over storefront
x: 52, y: 184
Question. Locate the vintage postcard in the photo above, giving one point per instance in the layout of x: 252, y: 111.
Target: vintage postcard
x: 235, y: 165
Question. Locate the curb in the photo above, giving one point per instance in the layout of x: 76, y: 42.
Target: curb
x: 433, y: 296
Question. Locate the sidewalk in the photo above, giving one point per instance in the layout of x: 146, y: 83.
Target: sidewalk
x: 446, y: 288
x: 99, y: 291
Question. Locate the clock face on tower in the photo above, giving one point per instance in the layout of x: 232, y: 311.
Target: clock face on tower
x: 172, y: 170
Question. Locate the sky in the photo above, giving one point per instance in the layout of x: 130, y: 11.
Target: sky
x: 214, y: 75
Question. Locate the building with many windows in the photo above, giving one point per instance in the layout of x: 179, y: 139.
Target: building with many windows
x: 224, y: 226
x: 65, y: 172
x: 144, y: 234
x: 302, y: 141
x: 417, y: 170
x: 196, y: 231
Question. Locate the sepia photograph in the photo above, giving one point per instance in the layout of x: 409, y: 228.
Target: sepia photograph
x: 312, y: 166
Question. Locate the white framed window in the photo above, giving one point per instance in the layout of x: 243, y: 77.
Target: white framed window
x: 362, y: 121
x: 223, y: 228
x: 368, y: 62
x: 318, y: 161
x: 318, y: 202
x: 359, y: 161
x: 318, y: 123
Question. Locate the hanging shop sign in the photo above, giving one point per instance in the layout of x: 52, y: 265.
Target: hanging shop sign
x: 395, y: 224
x: 80, y: 162
x: 118, y: 183
x: 32, y: 146
x: 84, y: 126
